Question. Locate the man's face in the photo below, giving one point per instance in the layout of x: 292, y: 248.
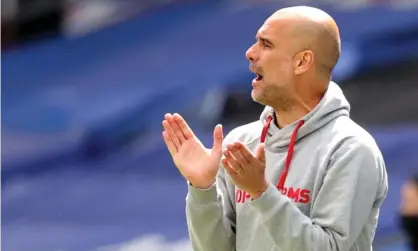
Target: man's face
x: 271, y: 59
x: 410, y: 199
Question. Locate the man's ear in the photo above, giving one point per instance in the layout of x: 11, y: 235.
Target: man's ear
x: 303, y: 61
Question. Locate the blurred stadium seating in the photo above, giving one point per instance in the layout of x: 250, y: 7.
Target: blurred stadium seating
x: 83, y: 163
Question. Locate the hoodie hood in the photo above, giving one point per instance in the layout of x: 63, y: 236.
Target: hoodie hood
x: 333, y: 105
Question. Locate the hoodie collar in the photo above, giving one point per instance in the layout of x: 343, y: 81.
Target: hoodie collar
x: 332, y: 105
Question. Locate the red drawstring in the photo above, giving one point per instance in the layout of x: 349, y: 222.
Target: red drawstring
x: 290, y: 150
x: 266, y: 128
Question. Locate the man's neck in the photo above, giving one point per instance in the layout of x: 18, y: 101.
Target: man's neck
x: 303, y: 102
x: 284, y: 117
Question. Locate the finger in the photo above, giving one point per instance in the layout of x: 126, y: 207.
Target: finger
x: 184, y: 127
x: 218, y: 137
x: 248, y: 155
x: 169, y: 143
x: 232, y: 162
x: 238, y: 156
x: 260, y: 154
x: 232, y: 173
x: 176, y: 127
x: 173, y: 136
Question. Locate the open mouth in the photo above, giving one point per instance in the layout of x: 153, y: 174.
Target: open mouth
x: 258, y: 77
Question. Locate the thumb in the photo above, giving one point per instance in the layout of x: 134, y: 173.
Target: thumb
x: 260, y: 154
x: 218, y: 137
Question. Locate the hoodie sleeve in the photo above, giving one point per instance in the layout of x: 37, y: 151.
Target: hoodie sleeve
x: 354, y: 178
x: 210, y: 216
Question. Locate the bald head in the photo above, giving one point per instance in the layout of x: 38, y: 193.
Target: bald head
x: 311, y: 29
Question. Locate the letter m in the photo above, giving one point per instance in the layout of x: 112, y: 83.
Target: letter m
x: 293, y: 194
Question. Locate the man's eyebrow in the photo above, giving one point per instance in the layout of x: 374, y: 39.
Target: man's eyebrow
x: 263, y: 39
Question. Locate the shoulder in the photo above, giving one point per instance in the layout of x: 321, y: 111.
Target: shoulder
x: 246, y: 134
x: 358, y: 155
x: 352, y: 136
x: 355, y: 149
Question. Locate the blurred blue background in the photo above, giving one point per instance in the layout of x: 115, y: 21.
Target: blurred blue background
x: 86, y: 83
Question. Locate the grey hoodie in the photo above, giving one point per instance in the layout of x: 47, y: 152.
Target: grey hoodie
x: 328, y: 199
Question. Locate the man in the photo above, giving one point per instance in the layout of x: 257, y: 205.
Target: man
x: 304, y: 177
x: 409, y: 212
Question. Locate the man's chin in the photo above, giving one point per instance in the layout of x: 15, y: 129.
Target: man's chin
x: 257, y: 97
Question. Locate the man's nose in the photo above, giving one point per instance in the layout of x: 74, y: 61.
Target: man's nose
x: 251, y: 54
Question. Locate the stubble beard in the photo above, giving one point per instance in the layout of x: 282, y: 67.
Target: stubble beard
x: 277, y: 97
